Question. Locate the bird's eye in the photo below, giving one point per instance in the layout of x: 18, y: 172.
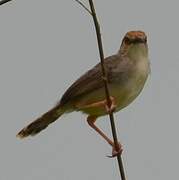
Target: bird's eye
x: 127, y: 40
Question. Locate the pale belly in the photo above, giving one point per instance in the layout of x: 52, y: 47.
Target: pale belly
x: 123, y: 96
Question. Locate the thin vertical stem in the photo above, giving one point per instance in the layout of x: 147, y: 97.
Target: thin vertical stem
x: 104, y: 76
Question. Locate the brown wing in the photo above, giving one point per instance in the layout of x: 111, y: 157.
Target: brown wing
x: 92, y: 79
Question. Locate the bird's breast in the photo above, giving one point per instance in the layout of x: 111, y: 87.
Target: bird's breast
x: 134, y: 84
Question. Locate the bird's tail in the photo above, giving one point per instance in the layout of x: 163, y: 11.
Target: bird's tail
x: 41, y: 123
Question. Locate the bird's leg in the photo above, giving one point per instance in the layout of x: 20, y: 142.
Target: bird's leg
x: 102, y: 104
x: 115, y: 149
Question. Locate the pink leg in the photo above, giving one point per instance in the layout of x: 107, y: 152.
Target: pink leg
x: 91, y: 121
x: 102, y: 104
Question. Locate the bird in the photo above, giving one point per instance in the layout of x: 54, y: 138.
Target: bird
x: 126, y: 72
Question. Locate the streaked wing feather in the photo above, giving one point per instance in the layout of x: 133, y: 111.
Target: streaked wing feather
x: 89, y: 81
x: 92, y: 79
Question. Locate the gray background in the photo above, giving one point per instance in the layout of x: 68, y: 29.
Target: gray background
x: 44, y: 47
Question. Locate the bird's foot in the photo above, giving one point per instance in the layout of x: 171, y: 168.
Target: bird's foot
x: 112, y: 107
x: 116, y: 150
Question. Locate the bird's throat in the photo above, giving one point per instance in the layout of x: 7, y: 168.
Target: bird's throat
x: 138, y: 52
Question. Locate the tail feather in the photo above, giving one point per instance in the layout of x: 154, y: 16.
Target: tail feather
x: 41, y: 123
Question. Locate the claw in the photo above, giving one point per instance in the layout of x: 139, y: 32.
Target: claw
x: 112, y: 107
x: 116, y: 152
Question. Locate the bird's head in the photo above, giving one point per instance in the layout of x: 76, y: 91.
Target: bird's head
x: 134, y: 43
